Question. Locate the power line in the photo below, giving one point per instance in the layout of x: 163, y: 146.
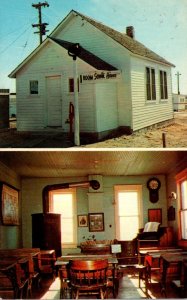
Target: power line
x: 13, y: 41
x: 42, y: 26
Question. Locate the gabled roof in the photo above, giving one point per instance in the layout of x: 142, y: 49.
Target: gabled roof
x: 129, y: 43
x: 132, y: 45
x: 87, y: 56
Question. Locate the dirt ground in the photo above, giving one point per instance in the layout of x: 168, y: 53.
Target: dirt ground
x: 175, y: 137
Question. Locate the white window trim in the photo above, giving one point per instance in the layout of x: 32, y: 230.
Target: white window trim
x: 163, y: 100
x: 150, y: 101
x: 124, y: 187
x: 180, y: 177
x: 73, y: 192
x: 30, y: 94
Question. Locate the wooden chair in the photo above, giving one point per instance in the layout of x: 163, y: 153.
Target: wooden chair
x: 88, y: 277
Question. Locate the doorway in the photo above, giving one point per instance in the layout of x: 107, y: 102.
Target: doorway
x: 54, y: 101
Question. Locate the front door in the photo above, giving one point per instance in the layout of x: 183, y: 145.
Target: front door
x: 54, y: 101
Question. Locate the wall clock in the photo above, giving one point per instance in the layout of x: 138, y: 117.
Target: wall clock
x: 153, y: 184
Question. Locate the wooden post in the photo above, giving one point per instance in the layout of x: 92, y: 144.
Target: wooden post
x: 76, y: 105
x: 164, y: 140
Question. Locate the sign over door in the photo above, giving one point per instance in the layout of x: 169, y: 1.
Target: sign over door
x: 54, y: 101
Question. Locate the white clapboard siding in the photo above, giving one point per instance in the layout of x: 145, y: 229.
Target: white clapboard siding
x: 102, y: 106
x: 32, y: 109
x: 146, y: 113
x: 106, y: 106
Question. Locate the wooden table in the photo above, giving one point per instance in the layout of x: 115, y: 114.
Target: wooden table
x: 63, y: 262
x: 173, y: 261
x: 152, y: 258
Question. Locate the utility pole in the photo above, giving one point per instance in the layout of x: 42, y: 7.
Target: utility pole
x: 178, y: 78
x: 73, y: 51
x: 42, y: 26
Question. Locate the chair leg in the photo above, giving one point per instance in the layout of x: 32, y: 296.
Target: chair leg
x: 77, y: 294
x: 101, y: 293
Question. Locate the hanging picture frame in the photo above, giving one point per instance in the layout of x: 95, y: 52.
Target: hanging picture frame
x: 9, y: 200
x: 82, y: 220
x: 96, y: 222
x: 155, y: 215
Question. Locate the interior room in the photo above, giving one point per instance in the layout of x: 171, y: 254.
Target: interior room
x: 127, y: 208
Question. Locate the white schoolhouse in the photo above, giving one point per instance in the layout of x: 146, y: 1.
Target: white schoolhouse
x: 122, y: 85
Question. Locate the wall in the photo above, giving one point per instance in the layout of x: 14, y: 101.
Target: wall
x: 51, y: 60
x: 80, y: 31
x: 10, y: 236
x: 146, y: 113
x: 171, y: 187
x: 32, y: 202
x: 4, y: 110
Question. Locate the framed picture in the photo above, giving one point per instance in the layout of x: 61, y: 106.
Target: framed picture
x: 96, y: 222
x: 82, y: 220
x: 9, y: 204
x: 155, y: 215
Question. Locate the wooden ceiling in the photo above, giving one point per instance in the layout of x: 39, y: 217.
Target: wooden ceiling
x: 83, y: 163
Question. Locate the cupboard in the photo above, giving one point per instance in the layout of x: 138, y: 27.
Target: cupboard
x: 46, y: 232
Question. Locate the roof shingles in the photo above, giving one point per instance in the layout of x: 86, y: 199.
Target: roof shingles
x: 126, y: 41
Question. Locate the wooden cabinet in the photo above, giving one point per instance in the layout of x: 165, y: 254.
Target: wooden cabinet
x: 46, y: 232
x: 167, y: 239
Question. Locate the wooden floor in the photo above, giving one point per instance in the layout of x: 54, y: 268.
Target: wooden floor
x: 128, y: 289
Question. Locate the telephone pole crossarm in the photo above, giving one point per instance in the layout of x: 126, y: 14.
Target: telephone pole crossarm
x: 42, y: 26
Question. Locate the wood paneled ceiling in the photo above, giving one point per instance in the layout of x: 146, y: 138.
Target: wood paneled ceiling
x: 84, y: 163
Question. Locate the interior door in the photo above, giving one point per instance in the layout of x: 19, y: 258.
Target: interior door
x: 54, y: 101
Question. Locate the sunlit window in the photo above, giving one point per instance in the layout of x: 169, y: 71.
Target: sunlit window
x: 183, y: 209
x: 127, y: 211
x: 63, y: 202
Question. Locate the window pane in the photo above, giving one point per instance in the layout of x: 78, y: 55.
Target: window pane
x: 128, y: 203
x: 184, y: 195
x: 71, y: 85
x: 153, y: 84
x: 62, y: 203
x: 33, y: 87
x: 67, y: 230
x: 184, y: 224
x: 148, y: 86
x: 128, y: 228
x: 165, y: 85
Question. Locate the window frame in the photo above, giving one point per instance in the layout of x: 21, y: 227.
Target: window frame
x: 163, y: 85
x: 71, y: 191
x: 71, y: 85
x: 150, y: 84
x: 127, y: 188
x: 180, y: 178
x: 31, y: 92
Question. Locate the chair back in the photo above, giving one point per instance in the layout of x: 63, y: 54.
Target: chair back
x: 88, y: 274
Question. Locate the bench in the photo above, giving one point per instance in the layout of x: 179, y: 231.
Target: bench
x: 38, y: 262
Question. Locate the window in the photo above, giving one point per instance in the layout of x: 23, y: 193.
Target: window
x: 182, y: 203
x: 183, y: 210
x: 127, y: 211
x: 71, y: 85
x: 150, y: 84
x: 163, y: 85
x: 34, y: 87
x: 64, y: 202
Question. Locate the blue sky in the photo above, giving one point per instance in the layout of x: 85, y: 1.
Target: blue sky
x: 160, y: 25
